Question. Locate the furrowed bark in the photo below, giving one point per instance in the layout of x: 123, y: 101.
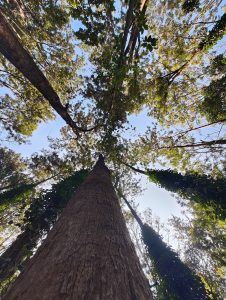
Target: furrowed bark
x: 88, y: 254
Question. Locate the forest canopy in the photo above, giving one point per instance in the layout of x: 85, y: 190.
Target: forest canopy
x: 140, y: 82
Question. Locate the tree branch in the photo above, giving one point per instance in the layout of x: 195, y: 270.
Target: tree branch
x: 201, y: 144
x: 129, y: 20
x: 135, y: 169
x: 12, y: 49
x: 199, y: 127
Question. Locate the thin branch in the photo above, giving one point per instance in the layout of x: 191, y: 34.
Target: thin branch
x: 201, y: 144
x: 135, y: 169
x: 202, y: 126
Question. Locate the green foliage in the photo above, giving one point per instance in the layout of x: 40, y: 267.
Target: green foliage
x: 44, y: 210
x: 12, y: 167
x: 217, y: 66
x: 177, y: 281
x: 73, y: 3
x: 44, y: 30
x: 93, y: 18
x: 200, y: 189
x: 39, y: 218
x: 190, y: 5
x: 214, y: 103
x: 22, y: 194
x: 202, y: 244
x: 149, y: 43
x: 215, y: 34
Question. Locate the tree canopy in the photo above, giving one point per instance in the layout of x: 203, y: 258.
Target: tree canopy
x: 142, y: 82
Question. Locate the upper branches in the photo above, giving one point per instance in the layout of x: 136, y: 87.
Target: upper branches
x: 12, y: 49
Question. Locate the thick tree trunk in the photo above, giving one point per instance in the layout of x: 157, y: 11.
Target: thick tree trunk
x: 88, y: 254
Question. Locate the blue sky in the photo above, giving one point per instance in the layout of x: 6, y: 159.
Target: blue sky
x: 160, y: 201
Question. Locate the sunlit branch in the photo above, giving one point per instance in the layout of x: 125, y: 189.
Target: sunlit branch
x: 12, y: 49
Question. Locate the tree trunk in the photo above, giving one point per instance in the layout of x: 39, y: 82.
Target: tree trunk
x: 177, y: 280
x: 13, y: 256
x: 12, y: 49
x: 88, y: 254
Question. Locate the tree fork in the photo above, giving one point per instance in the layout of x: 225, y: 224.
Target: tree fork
x: 88, y: 254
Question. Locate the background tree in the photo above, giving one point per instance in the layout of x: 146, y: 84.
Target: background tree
x: 200, y: 189
x: 177, y: 281
x: 45, y: 209
x: 12, y: 167
x: 53, y: 51
x: 202, y: 245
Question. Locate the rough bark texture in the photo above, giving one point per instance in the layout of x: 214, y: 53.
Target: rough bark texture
x: 88, y: 254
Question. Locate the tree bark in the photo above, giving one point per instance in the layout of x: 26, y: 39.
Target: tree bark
x: 88, y: 254
x: 12, y: 49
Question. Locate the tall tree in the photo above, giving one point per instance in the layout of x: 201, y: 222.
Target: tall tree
x: 177, y: 281
x: 138, y: 54
x: 44, y: 30
x: 88, y: 254
x: 12, y: 49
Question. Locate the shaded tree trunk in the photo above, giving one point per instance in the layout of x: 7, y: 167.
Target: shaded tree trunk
x: 177, y: 280
x: 202, y: 189
x: 88, y: 254
x: 12, y: 258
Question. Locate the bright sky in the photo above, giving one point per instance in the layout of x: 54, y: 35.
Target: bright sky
x: 159, y: 200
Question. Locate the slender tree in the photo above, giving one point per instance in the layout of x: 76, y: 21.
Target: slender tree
x: 88, y: 254
x: 177, y: 281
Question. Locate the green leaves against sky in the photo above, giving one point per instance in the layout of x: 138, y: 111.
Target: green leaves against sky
x: 108, y: 63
